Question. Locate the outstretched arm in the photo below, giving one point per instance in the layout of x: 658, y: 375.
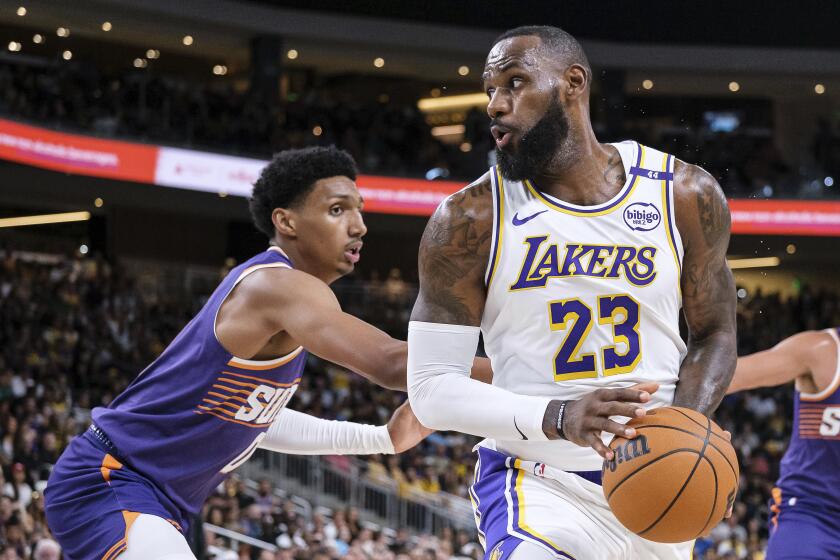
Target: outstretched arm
x: 296, y: 433
x: 273, y: 300
x: 708, y: 290
x: 276, y: 300
x: 791, y: 359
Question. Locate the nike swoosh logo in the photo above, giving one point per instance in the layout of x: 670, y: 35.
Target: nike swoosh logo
x: 524, y: 437
x: 517, y: 221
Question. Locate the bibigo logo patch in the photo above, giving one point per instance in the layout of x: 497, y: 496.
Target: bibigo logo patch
x: 642, y: 216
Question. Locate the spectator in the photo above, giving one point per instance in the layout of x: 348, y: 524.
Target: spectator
x: 46, y: 549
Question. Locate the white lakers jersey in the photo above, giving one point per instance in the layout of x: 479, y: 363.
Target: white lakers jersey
x: 584, y: 297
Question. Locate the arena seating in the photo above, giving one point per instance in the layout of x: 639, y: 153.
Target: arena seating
x: 91, y: 329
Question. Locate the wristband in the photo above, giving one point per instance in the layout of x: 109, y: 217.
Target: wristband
x: 560, y: 414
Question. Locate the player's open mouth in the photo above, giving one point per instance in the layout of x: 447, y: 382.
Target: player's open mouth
x: 353, y: 252
x: 501, y: 134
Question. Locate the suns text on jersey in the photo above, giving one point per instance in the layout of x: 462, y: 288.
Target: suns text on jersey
x: 543, y: 261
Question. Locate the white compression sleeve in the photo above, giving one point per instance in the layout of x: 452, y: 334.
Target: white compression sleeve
x: 296, y: 433
x: 444, y: 397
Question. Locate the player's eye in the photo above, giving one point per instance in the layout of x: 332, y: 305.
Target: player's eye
x: 336, y: 210
x: 516, y: 81
x: 490, y: 92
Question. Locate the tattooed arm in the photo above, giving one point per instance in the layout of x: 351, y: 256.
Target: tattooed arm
x: 708, y: 290
x: 453, y: 256
x: 443, y: 332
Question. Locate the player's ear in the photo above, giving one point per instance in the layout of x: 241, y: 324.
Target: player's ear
x: 577, y: 81
x: 284, y: 222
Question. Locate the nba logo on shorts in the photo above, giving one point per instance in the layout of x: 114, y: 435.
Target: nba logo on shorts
x: 642, y: 216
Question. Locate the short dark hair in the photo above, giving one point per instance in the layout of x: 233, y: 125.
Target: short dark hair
x: 291, y: 174
x: 555, y: 39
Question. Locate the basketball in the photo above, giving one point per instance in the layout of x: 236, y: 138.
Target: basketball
x: 675, y: 480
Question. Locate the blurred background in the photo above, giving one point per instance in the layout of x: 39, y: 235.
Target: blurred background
x: 130, y: 135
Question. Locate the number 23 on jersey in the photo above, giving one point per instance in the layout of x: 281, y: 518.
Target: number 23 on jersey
x: 575, y: 319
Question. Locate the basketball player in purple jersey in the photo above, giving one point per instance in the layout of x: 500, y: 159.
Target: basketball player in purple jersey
x: 806, y: 500
x: 124, y: 488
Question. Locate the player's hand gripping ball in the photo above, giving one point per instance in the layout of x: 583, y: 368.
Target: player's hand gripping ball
x: 675, y: 480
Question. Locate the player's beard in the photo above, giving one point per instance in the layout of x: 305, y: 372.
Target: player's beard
x: 538, y: 146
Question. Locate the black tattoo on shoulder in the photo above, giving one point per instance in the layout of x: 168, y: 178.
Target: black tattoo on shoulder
x: 453, y: 254
x: 707, y: 282
x: 479, y: 189
x: 614, y: 174
x: 714, y: 214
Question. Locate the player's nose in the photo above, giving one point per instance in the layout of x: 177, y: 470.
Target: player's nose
x: 357, y: 226
x: 499, y: 104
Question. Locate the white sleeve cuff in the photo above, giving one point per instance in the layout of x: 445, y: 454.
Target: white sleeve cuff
x: 296, y: 433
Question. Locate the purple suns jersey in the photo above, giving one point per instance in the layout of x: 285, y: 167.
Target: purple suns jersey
x: 810, y: 469
x: 197, y: 412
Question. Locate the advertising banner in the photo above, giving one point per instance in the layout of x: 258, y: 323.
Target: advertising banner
x: 785, y: 217
x: 73, y: 153
x: 230, y: 175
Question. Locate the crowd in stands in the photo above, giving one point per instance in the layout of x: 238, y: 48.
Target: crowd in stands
x: 74, y: 332
x: 265, y: 517
x: 384, y: 137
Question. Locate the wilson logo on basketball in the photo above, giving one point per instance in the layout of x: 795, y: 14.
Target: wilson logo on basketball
x: 633, y: 449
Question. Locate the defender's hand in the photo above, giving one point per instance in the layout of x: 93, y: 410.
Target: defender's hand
x: 585, y: 419
x: 405, y: 429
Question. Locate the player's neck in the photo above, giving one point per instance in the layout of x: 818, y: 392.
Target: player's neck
x: 301, y: 263
x: 584, y: 171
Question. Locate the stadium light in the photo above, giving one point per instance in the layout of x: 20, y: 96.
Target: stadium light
x: 62, y: 32
x: 448, y: 130
x: 106, y: 26
x: 760, y: 262
x: 21, y: 11
x: 453, y: 102
x: 187, y: 40
x: 734, y: 86
x: 44, y: 219
x: 37, y: 38
x: 463, y: 70
x: 819, y: 89
x: 379, y: 62
x: 292, y: 54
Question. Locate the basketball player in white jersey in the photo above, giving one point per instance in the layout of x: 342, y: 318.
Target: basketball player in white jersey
x: 573, y: 259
